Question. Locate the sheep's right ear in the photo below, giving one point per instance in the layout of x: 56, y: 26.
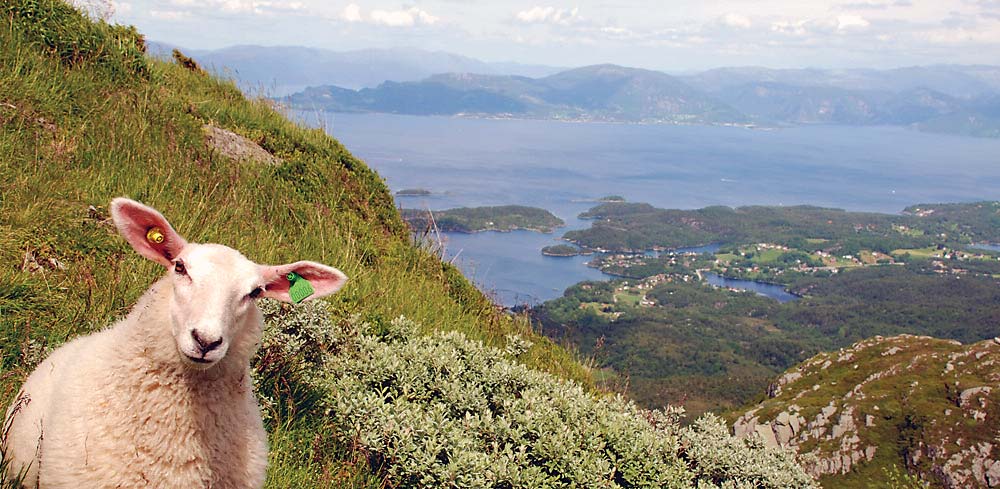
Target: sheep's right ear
x: 147, y: 231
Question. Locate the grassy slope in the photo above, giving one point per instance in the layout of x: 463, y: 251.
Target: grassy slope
x: 81, y: 122
x: 912, y: 387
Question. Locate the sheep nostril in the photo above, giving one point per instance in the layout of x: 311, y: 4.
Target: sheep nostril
x: 203, y: 344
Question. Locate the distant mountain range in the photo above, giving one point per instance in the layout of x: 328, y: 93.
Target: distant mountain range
x: 280, y: 70
x: 943, y: 98
x: 953, y: 99
x: 955, y: 80
x: 602, y: 92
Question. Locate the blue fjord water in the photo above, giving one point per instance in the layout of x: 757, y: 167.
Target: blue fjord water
x: 564, y: 167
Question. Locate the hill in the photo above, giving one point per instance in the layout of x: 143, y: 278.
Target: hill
x: 409, y: 377
x: 281, y: 70
x: 599, y: 93
x: 954, y: 80
x: 640, y: 226
x: 952, y: 99
x: 925, y: 405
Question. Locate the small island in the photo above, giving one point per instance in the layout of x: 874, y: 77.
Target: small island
x: 476, y: 219
x: 413, y: 192
x: 612, y: 198
x: 561, y: 250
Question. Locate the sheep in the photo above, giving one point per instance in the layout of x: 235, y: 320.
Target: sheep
x: 164, y: 397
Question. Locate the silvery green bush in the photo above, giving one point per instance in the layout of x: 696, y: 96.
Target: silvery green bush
x: 441, y: 410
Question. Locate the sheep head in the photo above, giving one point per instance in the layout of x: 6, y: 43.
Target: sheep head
x: 214, y: 287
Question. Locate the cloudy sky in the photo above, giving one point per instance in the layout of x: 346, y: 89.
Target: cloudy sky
x: 671, y: 35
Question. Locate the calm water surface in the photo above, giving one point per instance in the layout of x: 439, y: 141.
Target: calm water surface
x: 986, y: 246
x: 563, y: 167
x: 773, y: 291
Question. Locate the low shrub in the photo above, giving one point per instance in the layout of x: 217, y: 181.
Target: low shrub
x: 445, y: 411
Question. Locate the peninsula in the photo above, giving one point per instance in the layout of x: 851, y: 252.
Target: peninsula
x: 475, y: 219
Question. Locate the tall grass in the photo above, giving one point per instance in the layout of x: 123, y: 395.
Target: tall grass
x: 84, y: 117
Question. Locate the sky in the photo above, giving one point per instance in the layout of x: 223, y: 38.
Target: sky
x: 674, y: 36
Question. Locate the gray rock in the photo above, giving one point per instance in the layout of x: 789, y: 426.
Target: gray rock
x: 783, y: 434
x: 828, y: 411
x: 743, y: 427
x: 993, y: 474
x: 767, y: 435
x: 795, y: 422
x: 782, y: 418
x: 967, y: 395
x: 236, y: 147
x: 870, y: 452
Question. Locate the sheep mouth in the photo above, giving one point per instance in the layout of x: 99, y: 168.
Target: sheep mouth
x: 199, y: 360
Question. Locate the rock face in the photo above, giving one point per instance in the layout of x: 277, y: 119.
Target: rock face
x: 236, y: 147
x: 931, y: 406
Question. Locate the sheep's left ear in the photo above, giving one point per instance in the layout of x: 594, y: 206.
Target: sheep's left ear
x: 279, y: 279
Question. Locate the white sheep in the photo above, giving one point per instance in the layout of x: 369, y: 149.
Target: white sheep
x: 163, y: 398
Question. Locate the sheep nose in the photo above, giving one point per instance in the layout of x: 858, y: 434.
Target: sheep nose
x: 205, y: 345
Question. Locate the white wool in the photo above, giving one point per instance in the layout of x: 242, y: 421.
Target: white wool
x: 163, y: 398
x: 119, y: 409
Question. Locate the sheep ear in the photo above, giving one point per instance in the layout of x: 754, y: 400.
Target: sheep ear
x: 147, y: 231
x: 322, y: 279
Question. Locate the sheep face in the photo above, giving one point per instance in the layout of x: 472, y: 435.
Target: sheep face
x: 213, y: 286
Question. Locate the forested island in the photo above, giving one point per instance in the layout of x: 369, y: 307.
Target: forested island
x: 561, y: 250
x: 475, y: 219
x: 413, y: 192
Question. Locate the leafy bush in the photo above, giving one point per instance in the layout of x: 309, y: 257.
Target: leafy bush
x: 445, y: 411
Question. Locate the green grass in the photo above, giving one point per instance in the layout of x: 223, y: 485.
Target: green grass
x: 924, y: 253
x: 628, y: 298
x: 915, y: 383
x: 84, y: 119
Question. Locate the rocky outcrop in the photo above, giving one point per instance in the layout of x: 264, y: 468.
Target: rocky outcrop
x: 931, y: 405
x: 236, y: 147
x: 790, y: 429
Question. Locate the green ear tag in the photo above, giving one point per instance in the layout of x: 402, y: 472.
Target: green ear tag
x: 299, y: 289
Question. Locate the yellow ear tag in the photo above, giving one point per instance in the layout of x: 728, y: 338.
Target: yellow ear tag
x: 154, y: 235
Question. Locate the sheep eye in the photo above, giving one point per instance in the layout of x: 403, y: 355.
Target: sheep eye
x: 179, y: 268
x: 255, y: 293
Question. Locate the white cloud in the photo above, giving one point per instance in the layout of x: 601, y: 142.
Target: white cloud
x: 549, y: 15
x: 789, y: 28
x: 403, y: 18
x: 351, y: 13
x: 736, y: 20
x: 256, y: 7
x: 845, y: 22
x: 615, y: 31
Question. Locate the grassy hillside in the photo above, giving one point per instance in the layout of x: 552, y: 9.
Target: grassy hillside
x: 884, y: 404
x: 408, y: 377
x: 86, y: 117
